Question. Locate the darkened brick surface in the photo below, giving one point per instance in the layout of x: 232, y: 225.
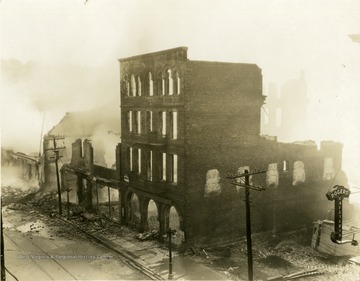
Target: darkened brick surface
x: 218, y: 109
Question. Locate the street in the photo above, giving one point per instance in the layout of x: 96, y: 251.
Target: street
x: 37, y: 251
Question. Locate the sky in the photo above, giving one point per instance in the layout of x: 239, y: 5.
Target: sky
x: 61, y: 55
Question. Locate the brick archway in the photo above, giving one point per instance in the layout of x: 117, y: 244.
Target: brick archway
x: 133, y: 210
x: 171, y: 216
x: 151, y: 214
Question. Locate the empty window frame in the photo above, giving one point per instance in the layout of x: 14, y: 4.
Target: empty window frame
x: 177, y: 84
x: 163, y: 123
x: 170, y: 84
x: 174, y: 125
x: 163, y: 82
x: 127, y: 86
x: 174, y: 168
x: 138, y: 122
x: 285, y: 166
x: 149, y: 118
x: 131, y: 159
x: 133, y: 85
x: 139, y: 86
x: 151, y: 85
x: 159, y: 87
x: 163, y: 167
x: 130, y: 121
x: 139, y: 160
x: 150, y: 166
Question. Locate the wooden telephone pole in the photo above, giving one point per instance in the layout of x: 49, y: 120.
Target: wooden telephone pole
x: 56, y: 151
x: 247, y: 186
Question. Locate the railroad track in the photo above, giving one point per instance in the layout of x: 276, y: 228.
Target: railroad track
x: 34, y: 261
x: 129, y: 260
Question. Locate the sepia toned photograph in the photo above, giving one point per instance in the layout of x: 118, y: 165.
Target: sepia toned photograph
x: 180, y: 140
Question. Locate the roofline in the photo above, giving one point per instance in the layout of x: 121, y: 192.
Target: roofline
x: 183, y: 48
x: 225, y: 62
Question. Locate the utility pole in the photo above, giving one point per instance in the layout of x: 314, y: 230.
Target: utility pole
x: 3, y: 274
x: 170, y: 232
x: 247, y: 186
x: 57, y: 150
x: 248, y: 226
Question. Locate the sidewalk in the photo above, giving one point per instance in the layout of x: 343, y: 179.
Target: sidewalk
x: 151, y: 255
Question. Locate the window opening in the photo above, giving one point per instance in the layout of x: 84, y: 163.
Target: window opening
x: 130, y: 120
x: 139, y: 160
x: 131, y: 159
x: 138, y: 120
x: 174, y: 125
x: 174, y: 168
x: 139, y: 86
x: 170, y: 83
x: 133, y: 85
x: 151, y: 85
x: 163, y: 168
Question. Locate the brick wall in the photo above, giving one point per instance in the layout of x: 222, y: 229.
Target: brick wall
x: 218, y: 132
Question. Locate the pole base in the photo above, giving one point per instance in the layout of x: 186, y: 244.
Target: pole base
x: 170, y: 276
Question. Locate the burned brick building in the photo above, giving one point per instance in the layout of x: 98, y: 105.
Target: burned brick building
x: 185, y: 125
x: 98, y: 125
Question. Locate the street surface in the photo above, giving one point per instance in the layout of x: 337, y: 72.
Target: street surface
x: 35, y: 251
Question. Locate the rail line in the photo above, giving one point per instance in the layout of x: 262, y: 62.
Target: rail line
x: 42, y: 269
x: 129, y: 259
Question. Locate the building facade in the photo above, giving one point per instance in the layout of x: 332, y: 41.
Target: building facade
x: 185, y: 125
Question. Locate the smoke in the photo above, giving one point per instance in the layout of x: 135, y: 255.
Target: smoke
x: 280, y: 37
x: 31, y: 89
x: 13, y: 177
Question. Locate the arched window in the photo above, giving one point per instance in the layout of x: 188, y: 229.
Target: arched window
x: 176, y: 83
x: 133, y: 85
x: 151, y: 85
x: 139, y: 86
x: 126, y: 86
x: 152, y: 216
x: 170, y: 85
x: 134, y: 210
x: 163, y: 86
x: 130, y: 121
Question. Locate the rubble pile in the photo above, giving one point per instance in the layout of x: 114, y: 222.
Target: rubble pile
x: 149, y: 235
x: 282, y: 255
x: 285, y: 255
x: 11, y: 194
